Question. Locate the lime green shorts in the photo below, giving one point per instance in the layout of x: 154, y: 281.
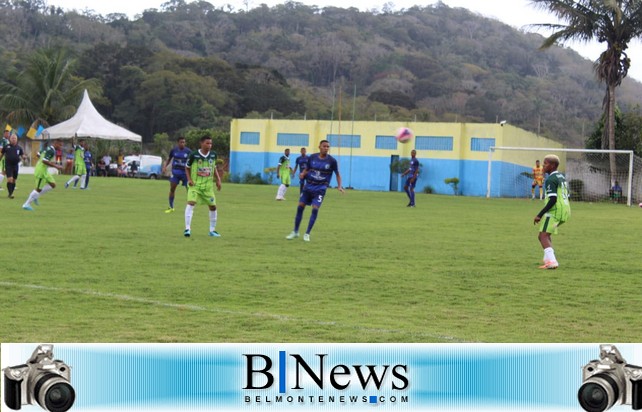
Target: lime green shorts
x: 43, y: 180
x: 286, y: 177
x: 549, y: 224
x: 201, y: 196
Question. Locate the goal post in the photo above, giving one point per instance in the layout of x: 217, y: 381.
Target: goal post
x: 587, y: 172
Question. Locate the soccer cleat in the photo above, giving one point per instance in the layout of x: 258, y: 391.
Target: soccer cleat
x: 549, y: 265
x: 36, y: 202
x: 187, y: 233
x: 292, y: 235
x: 306, y: 237
x: 27, y: 207
x: 169, y: 210
x: 214, y: 233
x: 67, y: 185
x: 11, y: 196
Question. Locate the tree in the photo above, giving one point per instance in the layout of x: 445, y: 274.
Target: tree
x: 614, y: 22
x: 46, y: 91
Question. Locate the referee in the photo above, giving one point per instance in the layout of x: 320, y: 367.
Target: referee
x: 12, y: 154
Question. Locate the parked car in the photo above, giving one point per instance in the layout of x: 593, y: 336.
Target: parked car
x: 149, y: 167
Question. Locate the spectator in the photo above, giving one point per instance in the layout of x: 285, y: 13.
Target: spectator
x: 616, y: 192
x: 102, y: 170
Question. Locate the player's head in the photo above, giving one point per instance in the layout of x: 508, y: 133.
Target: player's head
x: 6, y: 134
x: 537, y: 163
x: 206, y: 143
x: 82, y: 143
x: 551, y: 162
x: 13, y: 139
x: 413, y: 153
x: 181, y: 142
x: 57, y: 144
x: 303, y: 151
x: 324, y: 147
x: 287, y: 152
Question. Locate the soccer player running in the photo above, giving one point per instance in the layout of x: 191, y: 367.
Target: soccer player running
x: 284, y: 171
x: 12, y: 155
x: 317, y: 179
x: 538, y: 180
x: 178, y: 157
x: 411, y: 180
x: 556, y: 212
x: 80, y: 169
x: 44, y: 180
x: 301, y: 163
x: 201, y: 172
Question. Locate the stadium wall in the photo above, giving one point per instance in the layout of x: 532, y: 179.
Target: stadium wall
x: 366, y: 149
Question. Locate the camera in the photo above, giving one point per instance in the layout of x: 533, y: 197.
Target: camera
x: 610, y: 381
x: 42, y: 379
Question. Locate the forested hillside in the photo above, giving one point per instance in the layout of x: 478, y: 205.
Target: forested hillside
x: 194, y: 65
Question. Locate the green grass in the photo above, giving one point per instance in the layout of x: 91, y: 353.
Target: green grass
x: 107, y: 265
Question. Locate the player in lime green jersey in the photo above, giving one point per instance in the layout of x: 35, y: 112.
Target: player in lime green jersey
x: 201, y: 172
x: 284, y: 172
x: 44, y: 180
x: 80, y: 169
x: 556, y: 212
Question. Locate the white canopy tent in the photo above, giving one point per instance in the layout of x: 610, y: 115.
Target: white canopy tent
x: 87, y: 122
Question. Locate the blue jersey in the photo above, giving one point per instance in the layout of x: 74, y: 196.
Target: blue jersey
x: 302, y: 162
x: 320, y: 171
x: 88, y: 158
x: 413, y: 168
x: 179, y: 158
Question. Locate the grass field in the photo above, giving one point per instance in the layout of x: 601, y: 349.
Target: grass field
x: 107, y: 265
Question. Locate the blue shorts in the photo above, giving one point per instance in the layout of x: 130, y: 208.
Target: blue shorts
x: 178, y: 176
x: 312, y: 196
x: 410, y: 182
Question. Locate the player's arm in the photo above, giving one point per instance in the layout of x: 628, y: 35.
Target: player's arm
x: 338, y: 176
x: 551, y: 202
x: 188, y: 173
x: 218, y: 178
x: 169, y: 159
x: 51, y: 164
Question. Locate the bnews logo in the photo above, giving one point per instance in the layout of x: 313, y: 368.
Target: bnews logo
x: 319, y: 372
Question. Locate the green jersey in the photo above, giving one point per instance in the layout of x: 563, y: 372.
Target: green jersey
x: 202, y: 169
x: 41, y: 168
x: 79, y: 154
x: 556, y: 186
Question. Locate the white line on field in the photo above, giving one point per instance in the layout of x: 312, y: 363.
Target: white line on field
x: 196, y: 308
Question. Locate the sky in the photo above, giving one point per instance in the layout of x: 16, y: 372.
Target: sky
x: 517, y: 13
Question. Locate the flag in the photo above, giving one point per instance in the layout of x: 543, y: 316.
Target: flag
x: 20, y: 131
x: 40, y: 130
x: 8, y: 128
x: 31, y: 133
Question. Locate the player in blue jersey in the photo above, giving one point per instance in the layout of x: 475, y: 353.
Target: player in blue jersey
x: 301, y: 163
x: 178, y: 157
x: 411, y: 180
x: 317, y: 175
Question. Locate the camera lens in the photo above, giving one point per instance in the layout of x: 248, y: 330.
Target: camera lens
x: 598, y: 393
x: 54, y: 393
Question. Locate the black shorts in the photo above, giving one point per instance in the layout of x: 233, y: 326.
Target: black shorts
x: 12, y: 170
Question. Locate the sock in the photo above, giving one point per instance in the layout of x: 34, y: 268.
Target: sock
x: 313, y: 218
x: 33, y: 195
x: 540, y: 193
x: 408, y: 194
x: 412, y: 197
x: 82, y: 179
x: 549, y: 255
x: 299, y: 216
x: 279, y: 193
x: 11, y: 187
x: 1, y: 178
x: 87, y: 180
x: 213, y: 217
x: 44, y: 190
x: 285, y: 189
x: 171, y: 201
x: 189, y: 212
x: 533, y: 192
x: 73, y: 180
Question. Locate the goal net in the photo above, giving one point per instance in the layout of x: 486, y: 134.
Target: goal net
x: 588, y: 173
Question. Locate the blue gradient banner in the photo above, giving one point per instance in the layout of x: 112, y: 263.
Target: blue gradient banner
x: 271, y: 377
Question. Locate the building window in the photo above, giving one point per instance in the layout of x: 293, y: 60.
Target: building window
x: 292, y: 139
x: 438, y: 143
x: 386, y: 142
x: 481, y: 144
x: 250, y: 138
x: 344, y: 140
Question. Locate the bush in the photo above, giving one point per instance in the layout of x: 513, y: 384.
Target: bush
x: 429, y: 190
x: 576, y: 189
x: 252, y: 179
x: 453, y: 182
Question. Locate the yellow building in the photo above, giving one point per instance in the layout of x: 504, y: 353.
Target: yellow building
x: 366, y: 149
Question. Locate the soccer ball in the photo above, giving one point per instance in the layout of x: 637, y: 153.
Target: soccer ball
x: 404, y: 135
x: 640, y: 205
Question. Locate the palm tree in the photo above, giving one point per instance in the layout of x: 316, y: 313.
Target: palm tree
x: 46, y: 91
x: 614, y: 22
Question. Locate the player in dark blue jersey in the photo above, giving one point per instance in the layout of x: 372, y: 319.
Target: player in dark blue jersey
x: 178, y: 157
x: 317, y: 175
x: 411, y: 180
x: 301, y: 163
